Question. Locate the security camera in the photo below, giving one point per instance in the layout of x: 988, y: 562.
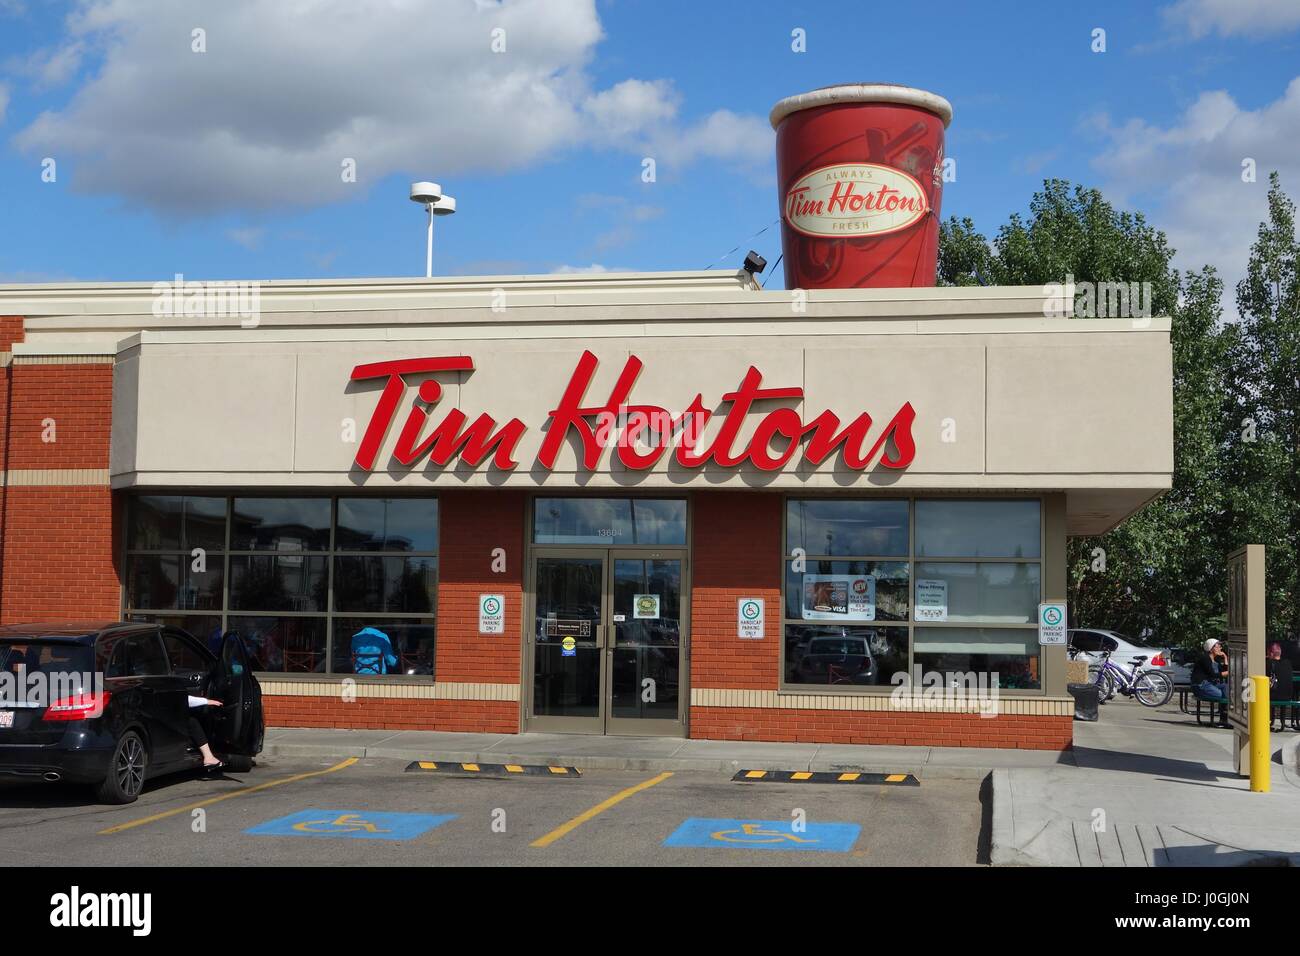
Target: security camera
x: 754, y: 262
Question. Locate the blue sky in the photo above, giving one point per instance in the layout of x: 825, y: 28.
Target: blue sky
x: 226, y: 163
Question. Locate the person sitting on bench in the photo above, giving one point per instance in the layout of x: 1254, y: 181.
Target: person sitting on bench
x: 1280, y: 672
x: 1209, y: 678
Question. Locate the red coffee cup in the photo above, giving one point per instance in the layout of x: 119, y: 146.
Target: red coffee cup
x: 860, y: 174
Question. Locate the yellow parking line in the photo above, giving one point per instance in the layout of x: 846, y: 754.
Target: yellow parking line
x: 598, y: 809
x: 244, y: 791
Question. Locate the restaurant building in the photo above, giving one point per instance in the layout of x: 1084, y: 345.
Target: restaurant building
x: 642, y: 503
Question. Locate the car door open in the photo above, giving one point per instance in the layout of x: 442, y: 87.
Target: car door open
x: 238, y: 724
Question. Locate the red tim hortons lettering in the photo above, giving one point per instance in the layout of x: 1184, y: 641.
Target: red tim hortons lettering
x: 474, y: 444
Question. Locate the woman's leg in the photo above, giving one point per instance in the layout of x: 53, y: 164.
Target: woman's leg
x: 200, y: 740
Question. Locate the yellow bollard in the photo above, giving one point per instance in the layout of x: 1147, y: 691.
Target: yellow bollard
x: 1261, y: 755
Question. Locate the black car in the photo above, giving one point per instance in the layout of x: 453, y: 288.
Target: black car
x: 133, y: 725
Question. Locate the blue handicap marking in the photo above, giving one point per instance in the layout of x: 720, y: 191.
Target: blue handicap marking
x: 765, y: 835
x: 352, y: 824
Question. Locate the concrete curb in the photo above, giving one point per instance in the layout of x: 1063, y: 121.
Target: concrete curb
x: 590, y: 762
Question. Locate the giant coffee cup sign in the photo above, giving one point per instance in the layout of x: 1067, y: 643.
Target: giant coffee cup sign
x: 860, y: 173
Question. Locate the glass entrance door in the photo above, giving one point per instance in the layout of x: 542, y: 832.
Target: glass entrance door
x: 608, y: 642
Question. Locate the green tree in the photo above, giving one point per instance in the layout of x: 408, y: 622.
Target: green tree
x: 1263, y: 449
x: 1163, y: 568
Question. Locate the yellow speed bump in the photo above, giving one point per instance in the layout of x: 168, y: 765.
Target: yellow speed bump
x: 491, y: 769
x: 827, y: 776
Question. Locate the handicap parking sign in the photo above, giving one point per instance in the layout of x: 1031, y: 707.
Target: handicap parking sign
x: 765, y: 835
x: 352, y: 825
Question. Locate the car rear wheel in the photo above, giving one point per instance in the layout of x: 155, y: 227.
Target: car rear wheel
x: 239, y: 764
x: 126, y: 770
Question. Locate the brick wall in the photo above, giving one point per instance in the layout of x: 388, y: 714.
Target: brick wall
x: 900, y: 728
x: 395, y: 713
x: 736, y: 542
x: 472, y: 525
x: 58, y: 540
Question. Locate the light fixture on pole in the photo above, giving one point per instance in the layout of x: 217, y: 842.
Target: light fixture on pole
x: 435, y: 203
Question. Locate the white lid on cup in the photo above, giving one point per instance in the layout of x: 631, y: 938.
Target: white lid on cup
x: 862, y: 93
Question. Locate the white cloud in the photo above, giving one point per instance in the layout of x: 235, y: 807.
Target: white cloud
x: 1192, y: 170
x: 287, y: 91
x: 4, y: 101
x: 1250, y: 18
x: 593, y: 269
x: 249, y: 237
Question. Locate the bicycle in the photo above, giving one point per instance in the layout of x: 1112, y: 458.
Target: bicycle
x: 1149, y: 688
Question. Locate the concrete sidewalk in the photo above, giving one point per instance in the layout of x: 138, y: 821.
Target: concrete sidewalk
x: 596, y: 752
x: 1148, y: 788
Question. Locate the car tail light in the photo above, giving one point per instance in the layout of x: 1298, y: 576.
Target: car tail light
x: 77, y: 707
x: 1159, y: 661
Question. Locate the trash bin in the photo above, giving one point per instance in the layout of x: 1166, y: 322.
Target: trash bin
x: 1086, y: 698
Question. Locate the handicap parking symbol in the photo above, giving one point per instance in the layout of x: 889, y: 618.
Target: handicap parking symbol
x: 352, y: 824
x: 765, y: 835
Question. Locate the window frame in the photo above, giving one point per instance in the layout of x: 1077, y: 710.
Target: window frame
x: 787, y: 688
x: 229, y: 617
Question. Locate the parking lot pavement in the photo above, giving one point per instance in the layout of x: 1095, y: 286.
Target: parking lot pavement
x: 338, y: 815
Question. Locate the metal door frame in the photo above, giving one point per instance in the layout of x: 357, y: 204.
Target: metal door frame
x: 626, y: 726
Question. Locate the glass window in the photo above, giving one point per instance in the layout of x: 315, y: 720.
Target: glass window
x: 205, y: 628
x: 377, y: 584
x: 409, y: 648
x: 289, y: 644
x: 182, y: 654
x: 144, y: 655
x: 607, y: 521
x: 387, y: 524
x: 280, y: 524
x: 1003, y: 657
x: 977, y: 529
x: 169, y: 582
x: 276, y: 590
x: 847, y: 591
x: 1004, y: 592
x: 177, y: 523
x: 847, y: 527
x: 831, y: 655
x: 281, y: 582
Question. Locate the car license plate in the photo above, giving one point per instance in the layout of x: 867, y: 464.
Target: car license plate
x: 6, y: 718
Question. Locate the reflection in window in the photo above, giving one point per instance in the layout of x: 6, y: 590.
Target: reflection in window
x: 387, y: 524
x: 280, y: 524
x: 1007, y: 656
x: 606, y: 521
x: 835, y: 526
x: 978, y: 528
x: 276, y: 590
x: 844, y: 656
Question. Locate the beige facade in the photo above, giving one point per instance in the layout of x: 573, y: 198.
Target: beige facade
x: 1007, y: 398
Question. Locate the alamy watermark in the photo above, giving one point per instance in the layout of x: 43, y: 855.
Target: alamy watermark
x: 55, y: 691
x: 966, y: 691
x: 1096, y: 300
x: 181, y: 299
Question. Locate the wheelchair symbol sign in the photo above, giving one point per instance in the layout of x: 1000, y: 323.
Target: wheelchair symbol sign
x: 352, y: 824
x: 764, y: 835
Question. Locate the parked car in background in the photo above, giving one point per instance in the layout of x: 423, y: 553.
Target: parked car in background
x: 133, y: 726
x: 1087, y: 643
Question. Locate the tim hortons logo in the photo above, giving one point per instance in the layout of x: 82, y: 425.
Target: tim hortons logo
x: 854, y: 199
x: 642, y: 434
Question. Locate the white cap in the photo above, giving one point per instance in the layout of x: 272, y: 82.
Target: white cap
x: 862, y: 93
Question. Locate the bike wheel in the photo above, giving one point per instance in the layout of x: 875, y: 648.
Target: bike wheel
x: 1153, y: 689
x: 1104, y: 681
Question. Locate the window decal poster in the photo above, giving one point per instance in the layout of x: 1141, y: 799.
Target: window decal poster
x: 839, y: 597
x: 931, y: 600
